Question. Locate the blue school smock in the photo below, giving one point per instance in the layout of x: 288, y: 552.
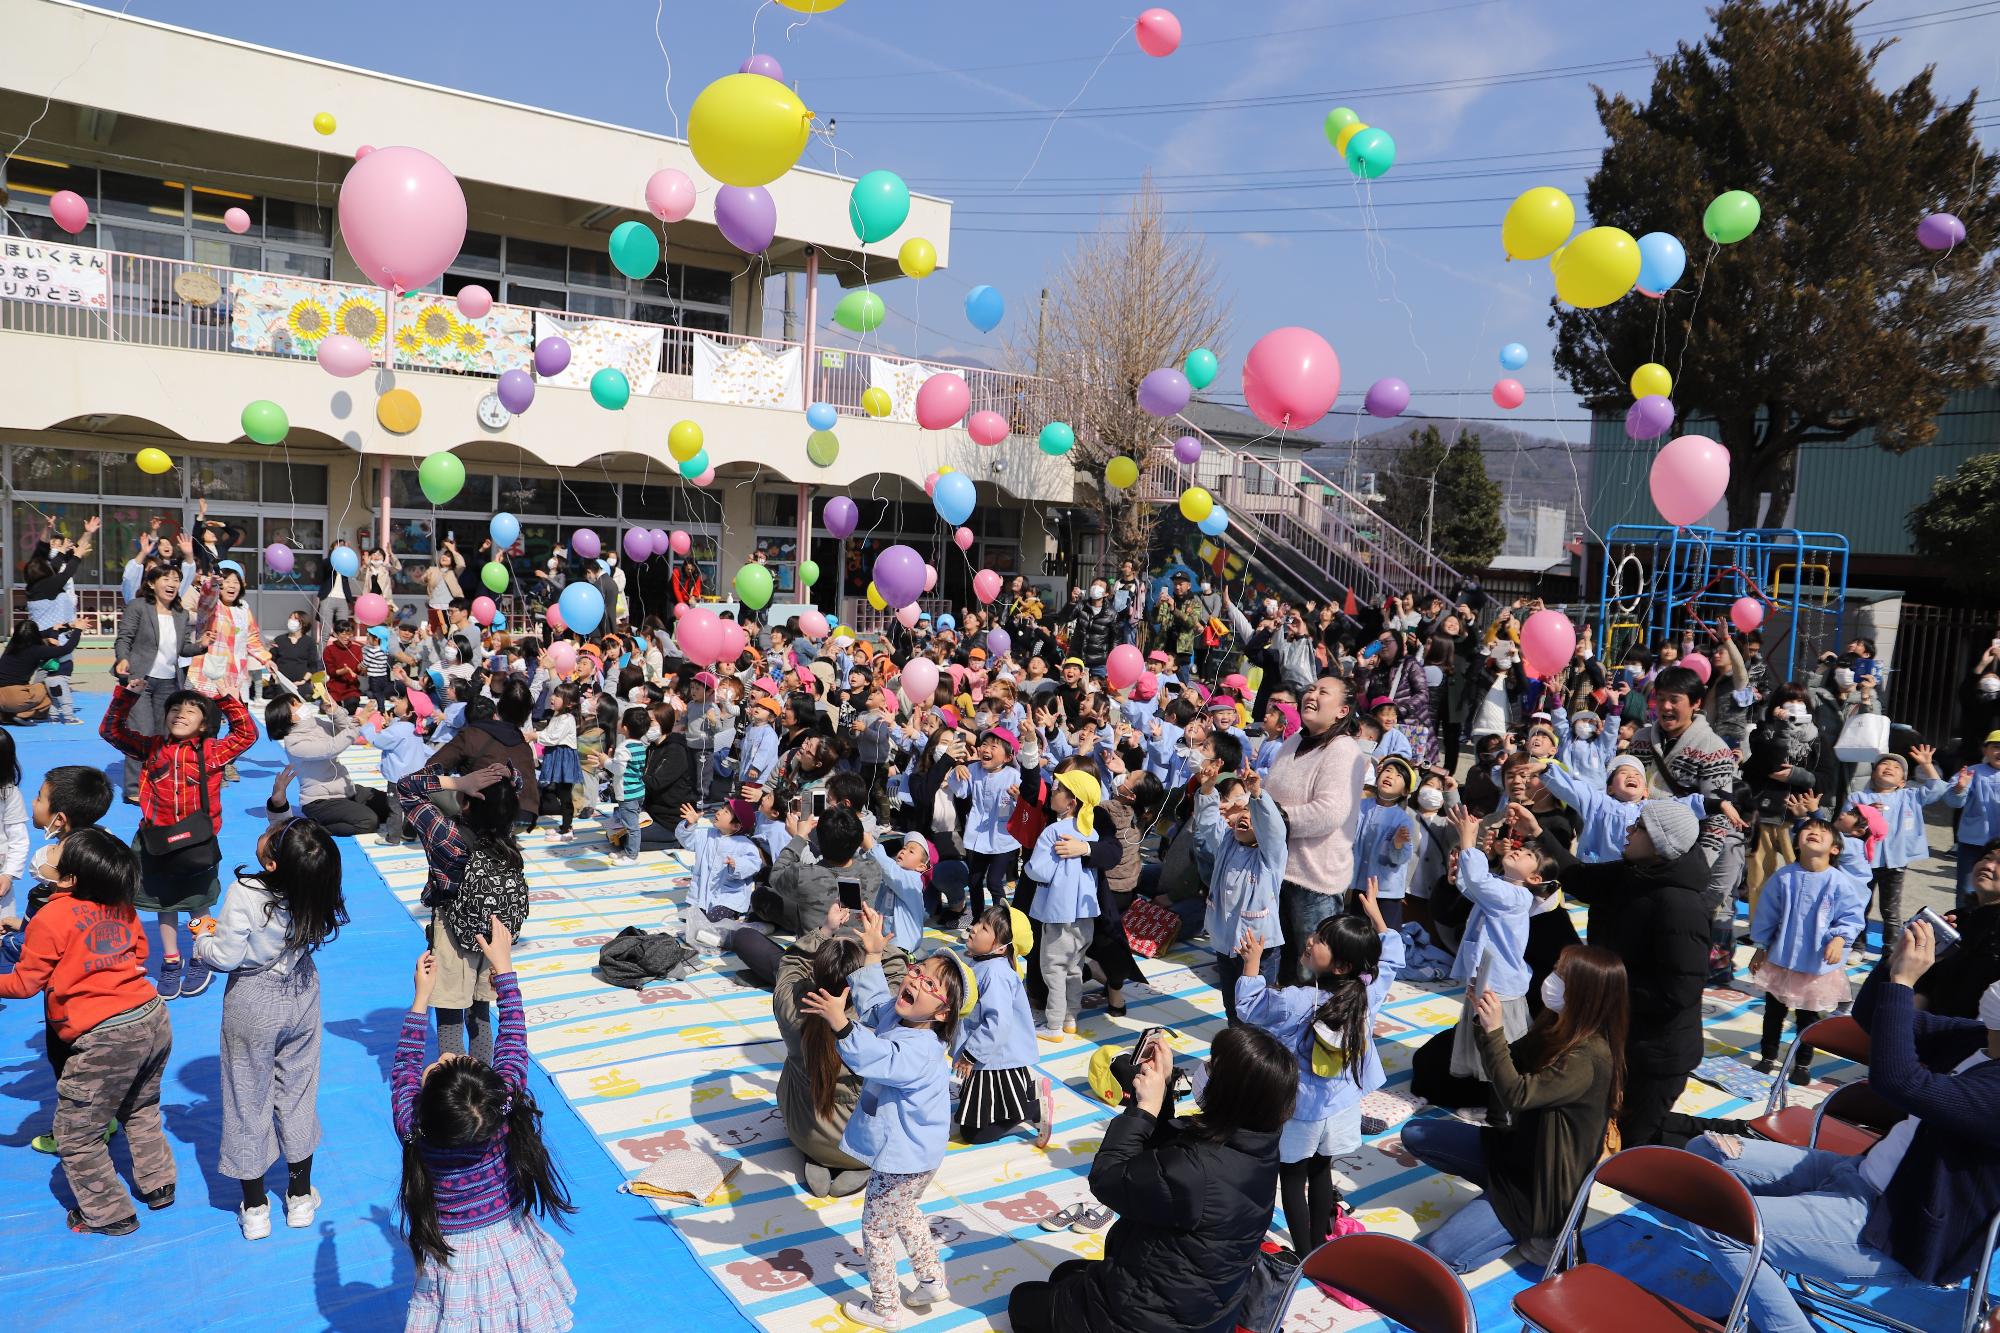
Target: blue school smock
x: 1602, y: 820
x: 992, y: 805
x: 760, y: 754
x: 1393, y: 744
x: 903, y: 1116
x: 723, y: 867
x: 1066, y: 886
x: 1800, y: 910
x: 1981, y: 802
x: 1242, y: 881
x: 1376, y: 853
x: 1499, y: 922
x: 900, y: 900
x: 1267, y: 755
x: 1591, y: 759
x: 1000, y: 1031
x: 1287, y: 1014
x: 1903, y: 812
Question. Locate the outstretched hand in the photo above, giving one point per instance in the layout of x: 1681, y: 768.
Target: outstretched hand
x: 827, y: 1006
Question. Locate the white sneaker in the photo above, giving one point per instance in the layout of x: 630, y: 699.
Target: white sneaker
x: 299, y: 1211
x: 928, y: 1294
x: 861, y: 1310
x: 256, y: 1222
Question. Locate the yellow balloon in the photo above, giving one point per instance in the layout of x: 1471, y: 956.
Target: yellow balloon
x: 1196, y: 504
x: 917, y: 258
x: 325, y: 123
x: 1597, y: 268
x: 812, y: 6
x: 684, y: 441
x: 875, y: 401
x: 1537, y: 222
x: 746, y: 129
x: 1121, y: 472
x: 875, y: 598
x: 946, y: 468
x: 1652, y: 378
x: 399, y: 411
x: 1347, y: 132
x: 153, y: 462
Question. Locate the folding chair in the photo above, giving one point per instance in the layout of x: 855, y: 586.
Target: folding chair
x: 1839, y: 1036
x: 1576, y: 1297
x: 1852, y: 1119
x: 1818, y: 1296
x: 1398, y: 1279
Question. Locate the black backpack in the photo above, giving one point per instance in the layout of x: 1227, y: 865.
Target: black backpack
x: 489, y: 887
x: 632, y: 958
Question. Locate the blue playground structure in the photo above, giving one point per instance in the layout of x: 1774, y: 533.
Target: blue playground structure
x: 1657, y: 583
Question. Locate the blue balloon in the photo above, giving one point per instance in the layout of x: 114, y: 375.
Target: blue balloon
x: 985, y: 308
x: 954, y: 497
x: 1513, y: 356
x: 505, y: 530
x: 1215, y: 524
x: 1662, y: 260
x: 499, y: 621
x: 582, y: 606
x: 345, y: 562
x: 832, y: 620
x: 821, y: 416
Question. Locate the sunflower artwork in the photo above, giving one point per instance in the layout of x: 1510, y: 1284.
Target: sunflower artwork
x: 431, y: 332
x: 291, y: 316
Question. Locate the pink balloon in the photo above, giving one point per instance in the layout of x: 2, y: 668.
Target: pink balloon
x: 963, y: 539
x: 343, y: 356
x: 680, y: 609
x: 1689, y: 478
x: 1547, y: 641
x: 920, y: 680
x: 554, y: 618
x: 906, y: 616
x: 69, y: 211
x: 679, y: 542
x: 734, y: 641
x: 236, y: 220
x: 483, y: 610
x: 1509, y: 393
x: 363, y: 151
x: 1125, y: 665
x: 420, y: 703
x: 370, y: 609
x: 930, y: 484
x: 985, y: 585
x: 987, y: 428
x: 474, y: 301
x: 1746, y: 613
x: 1290, y: 378
x: 700, y: 635
x: 562, y: 657
x: 942, y: 401
x: 670, y: 194
x: 1158, y: 31
x: 403, y: 215
x: 930, y: 576
x: 813, y: 625
x: 1700, y: 665
x: 707, y: 477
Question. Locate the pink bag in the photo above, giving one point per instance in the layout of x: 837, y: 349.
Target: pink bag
x: 1344, y: 1224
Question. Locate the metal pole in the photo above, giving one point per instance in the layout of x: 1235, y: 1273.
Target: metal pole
x: 804, y: 594
x: 791, y: 319
x: 810, y: 379
x: 383, y: 465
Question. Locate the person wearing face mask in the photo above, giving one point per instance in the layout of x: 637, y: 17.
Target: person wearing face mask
x: 313, y: 742
x: 1094, y: 628
x: 294, y: 654
x: 1783, y: 761
x: 1552, y: 1110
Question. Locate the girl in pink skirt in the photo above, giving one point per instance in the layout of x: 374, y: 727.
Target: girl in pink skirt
x: 1807, y: 915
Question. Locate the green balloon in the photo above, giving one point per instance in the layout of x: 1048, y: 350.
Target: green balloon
x: 822, y: 447
x: 1731, y: 216
x: 494, y: 575
x: 264, y: 421
x: 879, y: 204
x: 808, y: 572
x: 695, y: 466
x: 1056, y: 439
x: 635, y: 251
x: 1337, y: 120
x: 610, y: 389
x: 862, y: 312
x: 442, y: 476
x: 1371, y: 153
x: 1200, y: 368
x: 753, y: 586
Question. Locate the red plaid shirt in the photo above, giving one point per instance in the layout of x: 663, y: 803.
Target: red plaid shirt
x: 169, y: 788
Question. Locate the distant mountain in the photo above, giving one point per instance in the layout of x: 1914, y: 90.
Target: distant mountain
x: 1525, y: 466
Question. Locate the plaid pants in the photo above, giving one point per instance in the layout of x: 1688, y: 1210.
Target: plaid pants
x: 114, y: 1072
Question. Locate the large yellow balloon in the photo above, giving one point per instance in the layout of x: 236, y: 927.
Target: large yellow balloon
x: 1121, y: 472
x: 1597, y: 268
x: 1652, y: 378
x: 1536, y: 223
x: 875, y: 401
x: 684, y: 441
x: 1196, y: 504
x: 917, y: 258
x: 746, y: 129
x: 153, y: 462
x: 812, y: 6
x: 875, y: 597
x: 1347, y: 132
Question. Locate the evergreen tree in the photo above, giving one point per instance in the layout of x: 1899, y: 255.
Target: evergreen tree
x: 1442, y: 497
x: 1957, y: 525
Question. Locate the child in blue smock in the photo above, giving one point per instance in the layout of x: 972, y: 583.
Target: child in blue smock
x: 726, y: 861
x: 996, y: 1048
x: 990, y: 784
x: 1606, y: 811
x: 403, y: 753
x: 1330, y: 1028
x: 1976, y: 790
x: 1065, y: 906
x: 1246, y: 845
x: 1807, y: 915
x: 1904, y: 841
x: 1584, y: 745
x: 759, y: 755
x: 1497, y: 926
x: 898, y: 1046
x: 900, y: 898
x: 1385, y: 847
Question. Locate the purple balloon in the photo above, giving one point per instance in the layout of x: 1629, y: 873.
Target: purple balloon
x: 517, y: 390
x: 1187, y: 450
x: 551, y: 356
x: 998, y: 642
x: 584, y: 544
x: 1163, y: 392
x: 748, y: 217
x: 659, y: 540
x: 278, y: 558
x: 1387, y: 397
x: 1940, y: 231
x: 638, y: 544
x: 1649, y: 418
x: 840, y: 515
x: 899, y: 575
x: 762, y: 64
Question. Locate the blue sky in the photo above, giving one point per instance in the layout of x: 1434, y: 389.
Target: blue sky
x: 1405, y: 277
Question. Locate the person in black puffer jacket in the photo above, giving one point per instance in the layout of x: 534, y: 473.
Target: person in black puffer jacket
x: 1194, y: 1197
x: 1096, y: 628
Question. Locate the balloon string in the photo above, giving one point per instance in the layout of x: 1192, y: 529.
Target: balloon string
x: 1123, y: 28
x: 667, y: 90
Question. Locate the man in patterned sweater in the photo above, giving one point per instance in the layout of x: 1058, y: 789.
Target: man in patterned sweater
x: 1683, y: 755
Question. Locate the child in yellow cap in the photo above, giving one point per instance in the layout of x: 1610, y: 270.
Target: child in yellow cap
x: 996, y: 1048
x: 1065, y: 902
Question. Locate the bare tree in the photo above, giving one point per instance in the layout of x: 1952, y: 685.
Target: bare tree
x: 1138, y: 294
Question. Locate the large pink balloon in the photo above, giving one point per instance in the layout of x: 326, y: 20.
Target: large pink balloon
x: 343, y: 356
x: 700, y: 635
x: 403, y: 215
x: 734, y: 641
x: 474, y: 301
x: 1547, y: 641
x: 985, y: 585
x: 986, y: 427
x: 1746, y: 613
x: 920, y: 680
x: 1689, y: 478
x: 483, y: 610
x: 1158, y: 31
x: 562, y: 657
x: 1290, y: 378
x: 670, y: 194
x: 1125, y: 665
x: 942, y: 401
x: 370, y: 608
x: 906, y: 616
x: 813, y: 625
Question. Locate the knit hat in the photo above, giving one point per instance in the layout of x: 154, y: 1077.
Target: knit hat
x: 1671, y: 825
x: 1877, y: 827
x: 1089, y: 794
x: 1891, y: 757
x: 1288, y: 719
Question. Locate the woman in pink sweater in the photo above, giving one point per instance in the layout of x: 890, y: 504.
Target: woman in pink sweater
x: 1316, y: 780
